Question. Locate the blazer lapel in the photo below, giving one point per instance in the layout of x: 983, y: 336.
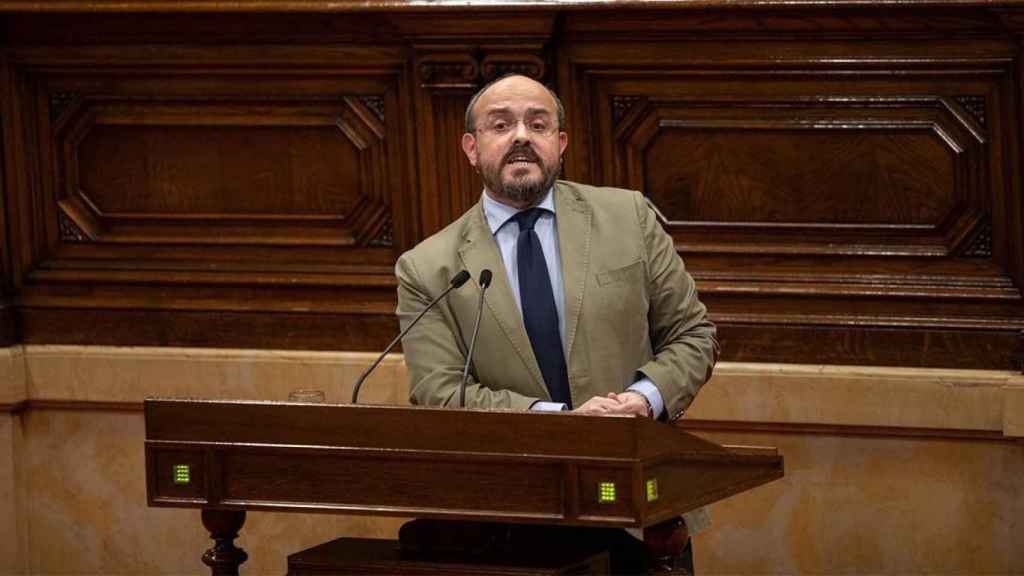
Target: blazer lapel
x: 573, y: 217
x: 479, y: 251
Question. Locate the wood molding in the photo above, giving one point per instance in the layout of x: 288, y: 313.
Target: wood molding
x: 9, y: 332
x: 14, y: 407
x: 82, y: 405
x: 279, y: 330
x: 864, y: 345
x: 690, y: 425
x: 938, y: 284
x: 75, y: 405
x: 695, y: 425
x: 287, y: 6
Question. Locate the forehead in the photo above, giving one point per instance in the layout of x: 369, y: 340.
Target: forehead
x: 517, y: 94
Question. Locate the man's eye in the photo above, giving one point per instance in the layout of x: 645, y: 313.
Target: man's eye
x: 539, y: 127
x: 499, y: 126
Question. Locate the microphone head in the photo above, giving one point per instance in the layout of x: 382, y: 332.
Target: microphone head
x: 460, y: 279
x: 485, y: 278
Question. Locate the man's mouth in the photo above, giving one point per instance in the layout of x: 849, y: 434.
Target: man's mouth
x: 520, y: 159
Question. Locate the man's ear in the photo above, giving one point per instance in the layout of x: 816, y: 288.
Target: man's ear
x: 469, y: 147
x: 563, y: 142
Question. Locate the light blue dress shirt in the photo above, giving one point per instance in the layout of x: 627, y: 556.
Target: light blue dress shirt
x: 506, y: 233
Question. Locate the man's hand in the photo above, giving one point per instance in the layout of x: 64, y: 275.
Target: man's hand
x: 598, y: 406
x: 621, y: 403
x: 630, y: 403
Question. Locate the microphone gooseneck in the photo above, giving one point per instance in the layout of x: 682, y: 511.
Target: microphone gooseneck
x: 456, y: 282
x: 485, y: 281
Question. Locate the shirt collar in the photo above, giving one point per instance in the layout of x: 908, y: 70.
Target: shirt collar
x: 498, y: 214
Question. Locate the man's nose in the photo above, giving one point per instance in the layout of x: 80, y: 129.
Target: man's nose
x: 521, y: 133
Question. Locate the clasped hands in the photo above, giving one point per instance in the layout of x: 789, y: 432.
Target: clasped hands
x: 616, y: 403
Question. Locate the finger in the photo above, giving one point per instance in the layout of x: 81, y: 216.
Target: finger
x: 633, y: 406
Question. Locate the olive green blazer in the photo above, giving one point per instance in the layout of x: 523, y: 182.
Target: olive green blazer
x: 630, y: 306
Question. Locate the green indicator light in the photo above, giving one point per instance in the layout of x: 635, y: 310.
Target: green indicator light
x: 606, y: 492
x: 182, y: 474
x: 652, y: 489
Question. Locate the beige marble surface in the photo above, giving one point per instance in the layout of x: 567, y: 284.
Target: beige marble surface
x: 778, y: 393
x: 1013, y: 411
x: 9, y: 552
x: 869, y: 505
x: 89, y: 515
x: 12, y: 375
x: 848, y: 505
x: 856, y: 396
x: 132, y: 374
x: 13, y: 500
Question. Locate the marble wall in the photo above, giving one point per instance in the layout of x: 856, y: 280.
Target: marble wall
x: 11, y: 533
x: 873, y: 505
x: 888, y: 471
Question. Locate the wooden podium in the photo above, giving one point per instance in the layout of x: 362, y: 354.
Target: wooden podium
x: 228, y: 457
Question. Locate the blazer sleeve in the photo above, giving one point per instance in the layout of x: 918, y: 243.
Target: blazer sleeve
x: 683, y: 339
x: 435, y: 352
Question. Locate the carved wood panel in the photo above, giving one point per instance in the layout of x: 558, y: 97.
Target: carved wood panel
x: 843, y: 183
x: 848, y: 198
x: 256, y: 182
x: 204, y: 172
x: 448, y: 76
x: 857, y: 175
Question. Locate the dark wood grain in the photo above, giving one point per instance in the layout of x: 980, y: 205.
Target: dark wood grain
x: 438, y: 5
x: 843, y: 181
x: 391, y: 460
x: 224, y: 557
x: 286, y: 331
x: 778, y: 165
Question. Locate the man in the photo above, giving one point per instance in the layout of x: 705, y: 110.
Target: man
x: 590, y: 309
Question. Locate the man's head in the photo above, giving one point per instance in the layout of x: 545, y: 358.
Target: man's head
x: 514, y: 139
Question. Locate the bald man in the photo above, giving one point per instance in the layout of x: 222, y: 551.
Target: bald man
x: 591, y: 309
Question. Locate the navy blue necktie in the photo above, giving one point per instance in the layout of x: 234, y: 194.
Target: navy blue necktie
x: 539, y: 313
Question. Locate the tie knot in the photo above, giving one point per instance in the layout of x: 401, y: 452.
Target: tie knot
x: 527, y: 218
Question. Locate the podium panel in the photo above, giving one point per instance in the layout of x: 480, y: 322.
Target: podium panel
x: 229, y: 457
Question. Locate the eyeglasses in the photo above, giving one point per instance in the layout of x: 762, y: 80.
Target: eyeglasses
x: 503, y: 126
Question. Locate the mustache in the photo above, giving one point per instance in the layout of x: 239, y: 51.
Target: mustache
x: 521, y: 150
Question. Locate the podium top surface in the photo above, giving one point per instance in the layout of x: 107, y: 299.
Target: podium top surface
x: 500, y: 432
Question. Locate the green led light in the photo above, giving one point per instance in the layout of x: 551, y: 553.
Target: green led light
x: 182, y: 474
x: 606, y: 492
x: 652, y: 489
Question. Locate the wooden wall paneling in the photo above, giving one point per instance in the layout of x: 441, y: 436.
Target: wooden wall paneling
x: 446, y: 77
x: 1013, y: 210
x: 451, y: 63
x: 405, y: 182
x: 942, y: 347
x: 8, y: 314
x: 837, y: 194
x: 1012, y: 96
x: 910, y: 254
x: 19, y: 176
x: 269, y: 173
x: 406, y: 6
x: 17, y: 205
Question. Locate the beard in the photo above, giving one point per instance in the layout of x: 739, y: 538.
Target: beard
x: 523, y: 190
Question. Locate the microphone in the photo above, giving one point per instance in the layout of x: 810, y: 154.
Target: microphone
x: 456, y: 282
x: 485, y: 281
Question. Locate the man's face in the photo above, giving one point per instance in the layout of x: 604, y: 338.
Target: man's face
x: 517, y: 145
